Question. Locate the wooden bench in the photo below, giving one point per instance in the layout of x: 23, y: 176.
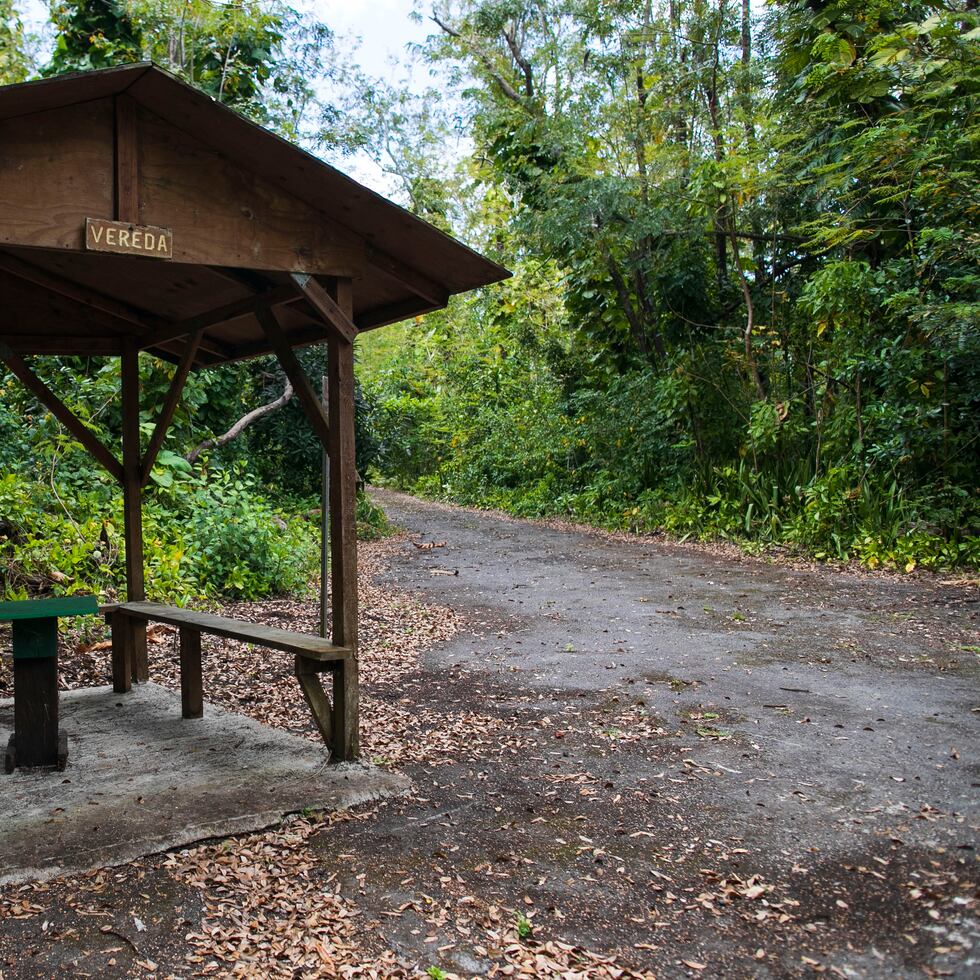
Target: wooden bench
x: 313, y: 656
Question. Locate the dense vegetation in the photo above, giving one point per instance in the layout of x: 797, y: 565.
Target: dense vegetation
x: 744, y: 302
x: 745, y: 296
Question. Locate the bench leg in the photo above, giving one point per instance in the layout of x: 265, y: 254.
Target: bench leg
x: 140, y: 657
x: 345, y: 740
x: 36, y: 711
x: 191, y: 684
x: 122, y: 653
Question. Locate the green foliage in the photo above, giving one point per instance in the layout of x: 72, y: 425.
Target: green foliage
x: 372, y: 521
x: 746, y: 297
x: 240, y: 546
x: 261, y: 57
x: 220, y: 538
x: 15, y: 54
x: 93, y: 34
x: 211, y: 532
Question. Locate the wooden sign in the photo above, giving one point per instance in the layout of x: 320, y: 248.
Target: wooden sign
x: 124, y: 238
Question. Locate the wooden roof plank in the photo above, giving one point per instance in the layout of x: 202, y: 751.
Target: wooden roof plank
x: 240, y: 307
x: 297, y: 214
x: 80, y: 294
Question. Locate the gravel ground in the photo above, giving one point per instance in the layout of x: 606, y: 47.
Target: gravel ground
x: 630, y: 758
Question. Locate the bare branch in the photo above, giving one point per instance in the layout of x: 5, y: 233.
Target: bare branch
x: 242, y: 424
x: 508, y: 90
x: 515, y: 49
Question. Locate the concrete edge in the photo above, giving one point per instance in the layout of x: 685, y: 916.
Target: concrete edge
x: 397, y: 786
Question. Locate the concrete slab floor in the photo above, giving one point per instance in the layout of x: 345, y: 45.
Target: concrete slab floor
x: 141, y: 780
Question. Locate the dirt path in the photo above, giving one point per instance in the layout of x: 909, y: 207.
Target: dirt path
x: 627, y: 756
x: 719, y: 718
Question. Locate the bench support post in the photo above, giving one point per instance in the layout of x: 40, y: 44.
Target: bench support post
x: 191, y: 684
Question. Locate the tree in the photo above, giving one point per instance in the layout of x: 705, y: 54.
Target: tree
x: 93, y: 34
x: 260, y: 57
x: 16, y: 62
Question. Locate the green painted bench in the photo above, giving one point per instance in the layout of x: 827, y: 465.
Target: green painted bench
x: 37, y: 740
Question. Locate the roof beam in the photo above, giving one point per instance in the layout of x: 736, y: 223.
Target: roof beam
x: 407, y: 276
x: 392, y: 313
x: 60, y: 411
x: 326, y: 306
x: 130, y: 315
x: 230, y: 311
x: 69, y: 345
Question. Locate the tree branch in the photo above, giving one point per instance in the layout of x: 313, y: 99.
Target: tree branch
x: 242, y: 424
x: 511, y: 38
x: 508, y: 90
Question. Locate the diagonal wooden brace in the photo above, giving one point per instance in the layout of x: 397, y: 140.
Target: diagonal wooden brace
x: 60, y: 411
x: 308, y: 674
x: 326, y: 306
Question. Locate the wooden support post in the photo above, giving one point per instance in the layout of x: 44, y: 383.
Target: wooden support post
x: 308, y: 674
x: 191, y: 684
x: 122, y: 652
x: 133, y: 505
x: 36, y: 711
x: 328, y: 308
x: 343, y: 531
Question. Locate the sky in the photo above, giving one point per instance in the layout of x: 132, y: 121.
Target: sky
x: 382, y: 29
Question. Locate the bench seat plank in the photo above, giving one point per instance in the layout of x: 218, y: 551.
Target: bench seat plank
x: 312, y: 647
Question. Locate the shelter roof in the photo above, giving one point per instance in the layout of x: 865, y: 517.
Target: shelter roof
x: 241, y: 211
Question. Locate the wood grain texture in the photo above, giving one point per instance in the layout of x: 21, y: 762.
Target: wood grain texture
x: 56, y: 169
x: 75, y: 605
x: 313, y: 647
x: 223, y: 214
x: 220, y: 314
x: 308, y: 674
x: 129, y: 316
x: 122, y: 652
x: 36, y: 711
x: 343, y: 530
x: 326, y: 306
x: 127, y: 168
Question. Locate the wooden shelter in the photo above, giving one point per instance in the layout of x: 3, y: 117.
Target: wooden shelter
x: 138, y: 215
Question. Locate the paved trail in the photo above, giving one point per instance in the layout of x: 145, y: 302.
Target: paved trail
x: 825, y: 721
